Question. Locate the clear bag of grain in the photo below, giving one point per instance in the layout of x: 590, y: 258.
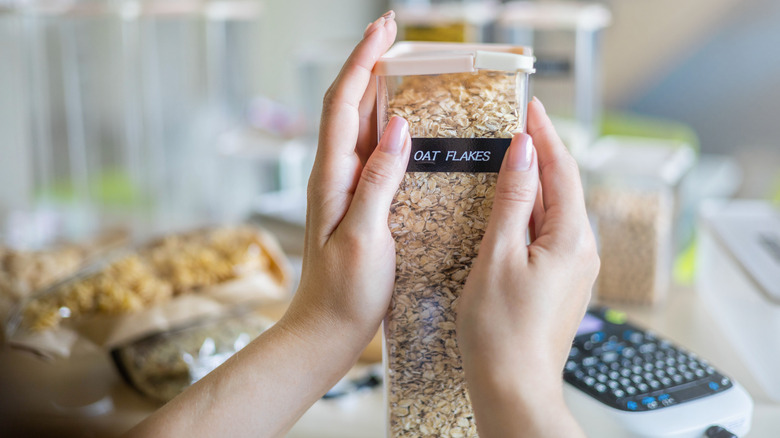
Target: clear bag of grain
x: 162, y: 365
x: 153, y: 287
x: 463, y: 104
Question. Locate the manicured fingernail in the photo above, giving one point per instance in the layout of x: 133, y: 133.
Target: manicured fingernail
x: 389, y: 15
x: 521, y: 153
x: 374, y: 26
x: 536, y: 99
x: 395, y: 136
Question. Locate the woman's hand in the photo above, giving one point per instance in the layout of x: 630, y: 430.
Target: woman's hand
x: 522, y: 304
x: 348, y: 274
x: 349, y: 255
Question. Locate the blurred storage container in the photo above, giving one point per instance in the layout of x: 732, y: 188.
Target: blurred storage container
x: 119, y: 111
x: 738, y: 279
x: 72, y: 161
x: 191, y: 80
x: 462, y: 21
x: 632, y: 196
x: 566, y: 37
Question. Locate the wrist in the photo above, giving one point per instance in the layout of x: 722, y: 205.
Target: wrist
x: 321, y: 328
x: 523, y: 387
x: 521, y: 405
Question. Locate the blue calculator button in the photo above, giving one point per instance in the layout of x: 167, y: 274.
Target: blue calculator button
x: 663, y: 397
x: 648, y: 400
x: 714, y: 386
x: 631, y: 405
x: 597, y: 337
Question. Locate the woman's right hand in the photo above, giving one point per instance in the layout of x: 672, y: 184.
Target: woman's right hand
x: 522, y: 303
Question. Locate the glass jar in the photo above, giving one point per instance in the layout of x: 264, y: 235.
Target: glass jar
x: 463, y: 104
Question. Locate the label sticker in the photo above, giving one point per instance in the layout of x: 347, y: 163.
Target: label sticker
x: 457, y: 154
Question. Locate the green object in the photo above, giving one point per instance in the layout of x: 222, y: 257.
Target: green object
x: 685, y: 265
x: 615, y: 316
x: 449, y: 32
x: 111, y: 188
x: 634, y: 125
x: 776, y: 190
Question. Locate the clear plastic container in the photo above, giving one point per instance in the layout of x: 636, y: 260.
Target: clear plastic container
x: 461, y: 21
x: 71, y: 160
x: 463, y: 104
x: 118, y: 107
x: 632, y: 194
x: 566, y: 37
x: 189, y: 80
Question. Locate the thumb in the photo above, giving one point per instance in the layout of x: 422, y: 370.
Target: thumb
x: 380, y: 177
x: 516, y: 190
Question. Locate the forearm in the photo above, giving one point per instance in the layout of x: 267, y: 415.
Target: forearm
x: 265, y: 388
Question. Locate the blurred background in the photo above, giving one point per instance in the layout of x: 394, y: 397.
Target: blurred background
x: 126, y: 119
x: 158, y: 115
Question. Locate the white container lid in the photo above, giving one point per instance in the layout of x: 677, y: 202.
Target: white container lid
x: 417, y: 58
x: 749, y: 230
x: 555, y: 15
x: 663, y: 160
x: 477, y: 13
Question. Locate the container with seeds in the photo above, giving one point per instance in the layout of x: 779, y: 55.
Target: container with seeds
x: 463, y: 104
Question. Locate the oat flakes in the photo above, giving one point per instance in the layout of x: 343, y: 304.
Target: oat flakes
x: 438, y: 220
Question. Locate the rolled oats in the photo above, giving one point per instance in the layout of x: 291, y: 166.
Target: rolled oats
x: 438, y: 219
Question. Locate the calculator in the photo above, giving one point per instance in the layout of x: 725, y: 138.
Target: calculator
x: 634, y: 383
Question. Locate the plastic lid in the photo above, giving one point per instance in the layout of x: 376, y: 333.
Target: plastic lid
x: 413, y: 58
x: 478, y: 13
x: 750, y: 231
x: 663, y: 160
x: 555, y: 15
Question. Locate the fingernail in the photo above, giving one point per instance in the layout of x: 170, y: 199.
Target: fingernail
x: 389, y: 15
x: 536, y: 99
x: 395, y: 136
x: 374, y: 26
x: 521, y: 153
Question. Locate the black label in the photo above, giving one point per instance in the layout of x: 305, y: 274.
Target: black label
x: 457, y: 154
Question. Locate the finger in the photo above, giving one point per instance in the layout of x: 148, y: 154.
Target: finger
x: 367, y: 140
x: 559, y: 174
x: 341, y: 107
x: 380, y: 178
x: 516, y: 190
x: 336, y: 167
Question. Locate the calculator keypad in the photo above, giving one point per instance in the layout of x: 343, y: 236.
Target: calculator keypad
x: 632, y: 370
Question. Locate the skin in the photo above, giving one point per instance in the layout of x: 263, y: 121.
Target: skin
x: 522, y: 303
x: 349, y: 272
